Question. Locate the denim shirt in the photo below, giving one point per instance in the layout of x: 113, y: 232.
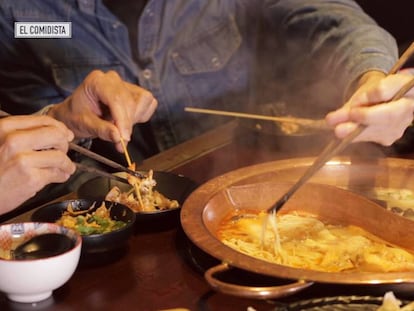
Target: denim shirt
x: 228, y: 54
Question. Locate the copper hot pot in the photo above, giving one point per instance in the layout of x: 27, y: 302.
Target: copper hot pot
x: 327, y: 195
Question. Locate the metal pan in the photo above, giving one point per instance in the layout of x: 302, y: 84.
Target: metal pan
x: 205, y: 207
x: 337, y: 303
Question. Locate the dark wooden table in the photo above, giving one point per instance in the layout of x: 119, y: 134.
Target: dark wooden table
x: 156, y: 270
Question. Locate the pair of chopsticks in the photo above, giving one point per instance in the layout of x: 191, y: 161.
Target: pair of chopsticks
x: 106, y: 161
x: 309, y: 123
x: 337, y: 145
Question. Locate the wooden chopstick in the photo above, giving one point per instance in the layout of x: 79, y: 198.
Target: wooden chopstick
x: 316, y: 124
x: 403, y: 59
x: 334, y: 147
x: 99, y: 158
x: 127, y: 157
x: 98, y: 172
x: 337, y: 145
x: 135, y: 183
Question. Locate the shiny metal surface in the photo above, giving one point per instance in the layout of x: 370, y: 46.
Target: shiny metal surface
x: 205, y: 208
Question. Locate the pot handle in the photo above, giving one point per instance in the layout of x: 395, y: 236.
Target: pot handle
x: 268, y: 292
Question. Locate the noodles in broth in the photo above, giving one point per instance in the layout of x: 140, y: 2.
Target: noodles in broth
x: 304, y: 241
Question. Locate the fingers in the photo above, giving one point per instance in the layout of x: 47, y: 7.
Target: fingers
x: 37, y: 143
x: 108, y: 89
x: 105, y: 106
x: 22, y: 134
x: 338, y: 116
x: 344, y: 129
x: 39, y: 139
x: 147, y: 104
x: 48, y: 166
x: 127, y: 103
x: 32, y: 155
x: 15, y: 123
x: 372, y: 105
x: 381, y: 91
x: 387, y: 114
x: 27, y: 173
x: 385, y: 122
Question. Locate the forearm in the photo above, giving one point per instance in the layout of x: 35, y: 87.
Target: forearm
x: 336, y: 36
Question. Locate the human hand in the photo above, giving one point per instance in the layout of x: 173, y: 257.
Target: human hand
x: 32, y: 155
x: 385, y: 121
x: 105, y: 106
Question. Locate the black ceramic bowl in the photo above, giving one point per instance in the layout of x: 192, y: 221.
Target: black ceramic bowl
x: 93, y: 243
x: 173, y: 186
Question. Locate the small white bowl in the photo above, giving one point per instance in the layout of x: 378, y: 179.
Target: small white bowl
x: 34, y: 280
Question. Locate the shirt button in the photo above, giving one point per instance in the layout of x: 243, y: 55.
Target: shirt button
x: 147, y: 73
x: 215, y: 61
x: 116, y: 25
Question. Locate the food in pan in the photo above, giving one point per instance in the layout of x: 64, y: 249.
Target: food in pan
x: 303, y: 241
x: 142, y: 197
x: 87, y: 222
x: 290, y: 128
x: 399, y: 201
x: 391, y: 303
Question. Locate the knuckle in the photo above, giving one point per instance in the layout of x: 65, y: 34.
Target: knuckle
x: 154, y: 103
x: 22, y: 163
x: 10, y: 144
x: 146, y: 95
x: 57, y: 175
x: 112, y: 73
x: 94, y: 75
x: 143, y: 118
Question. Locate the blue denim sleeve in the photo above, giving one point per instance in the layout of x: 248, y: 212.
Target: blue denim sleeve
x: 19, y: 74
x: 335, y: 33
x: 38, y: 72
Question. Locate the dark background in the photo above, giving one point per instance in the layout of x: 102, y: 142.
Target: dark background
x: 395, y: 16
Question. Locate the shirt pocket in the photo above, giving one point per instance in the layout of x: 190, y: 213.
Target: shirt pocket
x: 208, y: 51
x: 69, y: 77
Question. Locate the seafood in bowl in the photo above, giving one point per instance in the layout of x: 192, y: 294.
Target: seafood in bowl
x: 141, y: 197
x: 176, y: 188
